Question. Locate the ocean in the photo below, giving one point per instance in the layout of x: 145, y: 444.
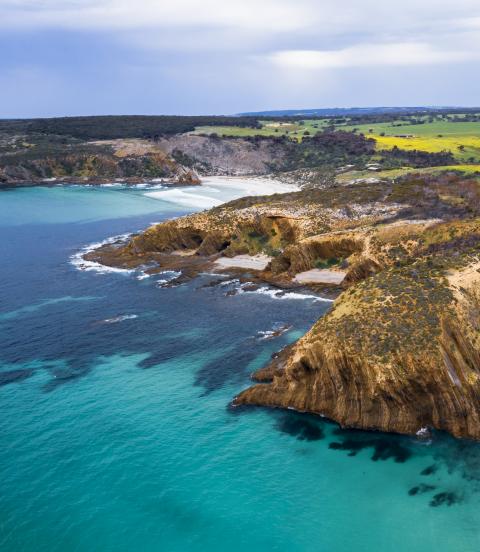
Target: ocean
x: 115, y: 421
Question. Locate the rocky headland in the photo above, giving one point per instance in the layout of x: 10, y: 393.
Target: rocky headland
x: 399, y: 350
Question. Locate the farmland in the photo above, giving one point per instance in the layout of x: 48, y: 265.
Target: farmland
x: 461, y: 138
x: 294, y: 129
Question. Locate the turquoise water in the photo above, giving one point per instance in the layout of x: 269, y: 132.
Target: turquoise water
x: 115, y: 423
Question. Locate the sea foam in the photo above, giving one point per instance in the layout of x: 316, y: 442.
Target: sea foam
x: 279, y: 294
x: 78, y: 261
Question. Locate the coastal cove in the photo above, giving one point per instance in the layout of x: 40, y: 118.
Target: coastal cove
x: 116, y: 422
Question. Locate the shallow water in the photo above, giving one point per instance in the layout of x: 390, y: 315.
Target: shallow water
x: 115, y: 421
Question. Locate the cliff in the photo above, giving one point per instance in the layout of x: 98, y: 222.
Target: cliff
x: 400, y: 349
x: 398, y: 352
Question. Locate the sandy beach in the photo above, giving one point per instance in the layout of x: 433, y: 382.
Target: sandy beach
x: 319, y: 276
x: 257, y: 262
x: 216, y: 190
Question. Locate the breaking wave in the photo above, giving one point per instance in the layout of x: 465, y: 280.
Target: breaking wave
x: 78, y: 261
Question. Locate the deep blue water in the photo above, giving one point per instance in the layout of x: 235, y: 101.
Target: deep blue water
x: 115, y: 426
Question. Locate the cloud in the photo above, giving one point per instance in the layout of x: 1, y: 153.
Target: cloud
x: 267, y: 15
x: 225, y: 56
x: 370, y: 55
x: 247, y: 24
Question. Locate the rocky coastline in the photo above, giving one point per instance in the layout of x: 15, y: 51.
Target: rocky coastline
x: 400, y: 349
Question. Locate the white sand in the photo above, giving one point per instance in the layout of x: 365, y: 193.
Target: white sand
x: 319, y: 276
x: 258, y: 262
x: 184, y: 252
x: 216, y: 190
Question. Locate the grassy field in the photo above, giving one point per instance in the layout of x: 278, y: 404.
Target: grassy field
x: 395, y: 173
x: 461, y: 138
x: 445, y: 128
x: 269, y: 128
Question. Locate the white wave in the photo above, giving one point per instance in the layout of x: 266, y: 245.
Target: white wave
x: 268, y: 334
x: 230, y: 283
x: 279, y: 294
x: 185, y: 198
x: 424, y: 436
x: 219, y: 274
x: 149, y: 186
x: 276, y: 331
x: 120, y: 318
x: 169, y: 276
x: 78, y: 261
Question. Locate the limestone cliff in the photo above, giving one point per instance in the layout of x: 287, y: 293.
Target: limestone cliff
x: 400, y: 349
x: 397, y: 352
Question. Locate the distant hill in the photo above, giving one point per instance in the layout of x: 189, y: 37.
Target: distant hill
x: 344, y: 111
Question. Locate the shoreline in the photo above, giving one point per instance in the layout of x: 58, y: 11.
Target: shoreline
x: 253, y: 269
x: 94, y: 181
x: 277, y: 184
x: 189, y: 261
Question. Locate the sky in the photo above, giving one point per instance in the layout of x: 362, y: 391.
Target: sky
x: 93, y: 57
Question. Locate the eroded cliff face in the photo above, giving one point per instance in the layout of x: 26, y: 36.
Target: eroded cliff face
x: 240, y: 157
x: 400, y: 348
x: 395, y: 355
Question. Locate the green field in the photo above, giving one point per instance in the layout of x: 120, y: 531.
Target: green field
x: 269, y: 128
x: 461, y: 138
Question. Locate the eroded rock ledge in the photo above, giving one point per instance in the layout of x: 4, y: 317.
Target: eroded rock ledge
x: 400, y: 349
